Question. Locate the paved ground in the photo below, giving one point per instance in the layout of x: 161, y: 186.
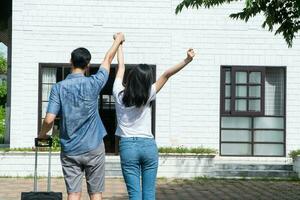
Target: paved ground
x: 10, y: 189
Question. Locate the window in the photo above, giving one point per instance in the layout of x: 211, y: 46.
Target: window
x: 244, y: 94
x: 49, y: 74
x: 252, y: 111
x: 48, y: 77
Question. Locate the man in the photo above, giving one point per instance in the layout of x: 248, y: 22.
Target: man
x: 82, y: 131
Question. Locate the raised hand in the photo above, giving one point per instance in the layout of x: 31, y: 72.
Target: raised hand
x: 119, y: 36
x: 190, y: 54
x: 173, y: 70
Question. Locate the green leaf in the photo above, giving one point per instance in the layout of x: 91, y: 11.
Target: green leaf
x: 249, y: 3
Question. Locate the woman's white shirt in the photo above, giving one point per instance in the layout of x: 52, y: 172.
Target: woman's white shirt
x: 132, y: 121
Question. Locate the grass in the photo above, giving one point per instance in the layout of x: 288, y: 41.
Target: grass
x: 31, y: 177
x: 197, y: 150
x: 182, y: 150
x: 54, y: 149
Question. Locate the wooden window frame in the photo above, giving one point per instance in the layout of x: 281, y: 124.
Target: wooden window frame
x: 251, y: 115
x: 233, y: 84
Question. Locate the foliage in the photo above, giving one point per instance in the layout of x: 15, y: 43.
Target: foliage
x: 41, y: 149
x: 3, y: 86
x: 15, y: 149
x: 197, y: 150
x: 3, y: 94
x: 3, y: 65
x: 56, y: 143
x: 56, y: 147
x: 2, y: 124
x: 293, y: 154
x: 282, y: 14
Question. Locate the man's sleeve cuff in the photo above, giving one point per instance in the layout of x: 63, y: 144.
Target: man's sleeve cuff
x: 52, y: 111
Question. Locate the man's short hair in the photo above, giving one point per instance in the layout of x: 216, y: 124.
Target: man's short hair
x: 80, y: 57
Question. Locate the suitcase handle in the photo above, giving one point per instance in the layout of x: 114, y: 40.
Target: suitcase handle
x: 42, y: 143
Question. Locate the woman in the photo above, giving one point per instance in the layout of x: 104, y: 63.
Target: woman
x: 138, y: 150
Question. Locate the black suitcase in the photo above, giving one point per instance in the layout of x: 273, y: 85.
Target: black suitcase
x: 35, y: 195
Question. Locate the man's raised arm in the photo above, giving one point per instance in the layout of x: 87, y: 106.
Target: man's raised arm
x: 109, y: 56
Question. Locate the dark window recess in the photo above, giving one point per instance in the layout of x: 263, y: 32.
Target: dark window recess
x: 252, y: 111
x: 51, y: 73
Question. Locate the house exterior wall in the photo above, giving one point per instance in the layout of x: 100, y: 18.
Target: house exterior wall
x: 187, y: 111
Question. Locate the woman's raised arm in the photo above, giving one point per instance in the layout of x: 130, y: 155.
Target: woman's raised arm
x: 121, y: 65
x: 173, y: 70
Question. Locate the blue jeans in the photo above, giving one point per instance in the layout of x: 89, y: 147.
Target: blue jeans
x: 139, y: 157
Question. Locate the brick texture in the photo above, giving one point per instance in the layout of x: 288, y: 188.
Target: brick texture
x: 188, y: 107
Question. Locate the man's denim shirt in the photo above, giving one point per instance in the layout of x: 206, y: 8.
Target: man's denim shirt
x: 75, y: 99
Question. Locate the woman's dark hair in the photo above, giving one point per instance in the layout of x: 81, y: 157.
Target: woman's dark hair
x: 138, y: 86
x: 80, y: 57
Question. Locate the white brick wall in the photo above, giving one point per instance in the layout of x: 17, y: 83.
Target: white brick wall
x: 188, y: 107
